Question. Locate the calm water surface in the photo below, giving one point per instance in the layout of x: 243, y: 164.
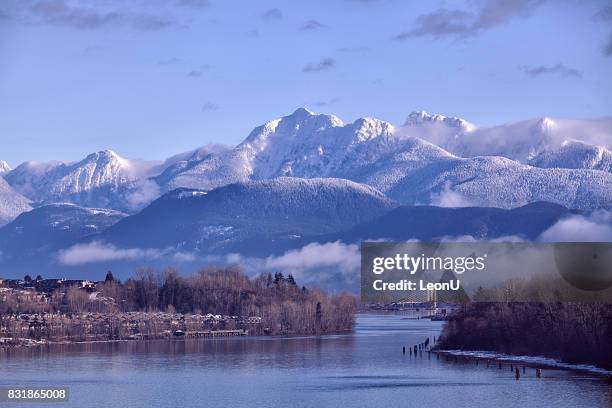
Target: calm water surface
x: 362, y: 369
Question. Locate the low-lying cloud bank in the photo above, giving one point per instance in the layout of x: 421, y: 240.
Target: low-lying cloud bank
x: 342, y: 257
x: 97, y: 251
x: 447, y: 197
x: 596, y: 227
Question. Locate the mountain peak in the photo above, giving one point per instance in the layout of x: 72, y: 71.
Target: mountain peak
x: 302, y: 111
x: 422, y: 117
x: 105, y: 154
x: 4, y: 167
x: 545, y: 124
x: 106, y: 157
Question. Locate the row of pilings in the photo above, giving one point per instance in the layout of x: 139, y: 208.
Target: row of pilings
x: 417, y: 350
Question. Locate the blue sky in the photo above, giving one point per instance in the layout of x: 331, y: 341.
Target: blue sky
x: 150, y: 78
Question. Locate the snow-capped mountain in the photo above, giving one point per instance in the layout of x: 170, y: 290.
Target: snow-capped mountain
x: 53, y: 226
x: 575, y: 155
x: 11, y: 203
x: 422, y: 118
x: 408, y: 169
x: 28, y: 177
x: 565, y: 139
x: 431, y: 159
x: 285, y: 207
x: 102, y: 179
x: 4, y: 167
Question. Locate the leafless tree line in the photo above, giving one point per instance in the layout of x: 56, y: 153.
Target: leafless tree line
x: 536, y: 318
x: 282, y: 306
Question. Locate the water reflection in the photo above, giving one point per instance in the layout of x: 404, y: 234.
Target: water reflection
x: 362, y: 369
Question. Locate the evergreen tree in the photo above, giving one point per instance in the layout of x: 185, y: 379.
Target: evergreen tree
x: 278, y: 278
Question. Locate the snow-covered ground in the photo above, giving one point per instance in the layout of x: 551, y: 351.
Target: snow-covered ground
x: 528, y: 360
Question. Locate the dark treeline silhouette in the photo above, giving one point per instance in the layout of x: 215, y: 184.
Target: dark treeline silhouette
x: 280, y: 304
x: 543, y: 315
x: 571, y: 331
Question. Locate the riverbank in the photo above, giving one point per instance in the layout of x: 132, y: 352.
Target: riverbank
x: 571, y: 333
x: 36, y: 329
x: 526, y: 361
x: 359, y: 369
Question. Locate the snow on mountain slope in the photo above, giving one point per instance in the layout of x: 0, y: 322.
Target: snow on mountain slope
x: 304, y: 145
x: 53, y: 226
x: 407, y: 163
x: 270, y: 150
x: 102, y: 179
x: 4, y: 167
x: 281, y: 207
x: 179, y: 161
x: 11, y: 203
x: 407, y: 168
x: 575, y: 155
x: 523, y: 141
x: 503, y: 183
x: 27, y: 178
x: 422, y: 118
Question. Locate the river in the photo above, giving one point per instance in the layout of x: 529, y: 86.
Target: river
x: 361, y: 369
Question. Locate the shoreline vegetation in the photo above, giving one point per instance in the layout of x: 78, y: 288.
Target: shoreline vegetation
x: 152, y: 305
x: 573, y: 333
x: 544, y: 316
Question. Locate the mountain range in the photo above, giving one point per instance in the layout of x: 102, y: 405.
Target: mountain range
x: 425, y: 161
x: 309, y: 178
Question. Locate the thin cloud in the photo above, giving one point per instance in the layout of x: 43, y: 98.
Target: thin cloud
x: 272, y: 15
x: 605, y: 14
x: 312, y: 25
x: 322, y: 104
x: 353, y: 49
x: 198, y: 72
x: 460, y: 23
x: 97, y: 251
x: 252, y: 33
x: 596, y: 227
x: 61, y: 13
x: 100, y: 252
x: 450, y: 198
x: 209, y: 106
x: 365, y: 1
x: 557, y: 69
x: 325, y: 64
x: 93, y: 48
x: 197, y: 4
x: 607, y: 49
x: 168, y: 61
x: 315, y: 256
